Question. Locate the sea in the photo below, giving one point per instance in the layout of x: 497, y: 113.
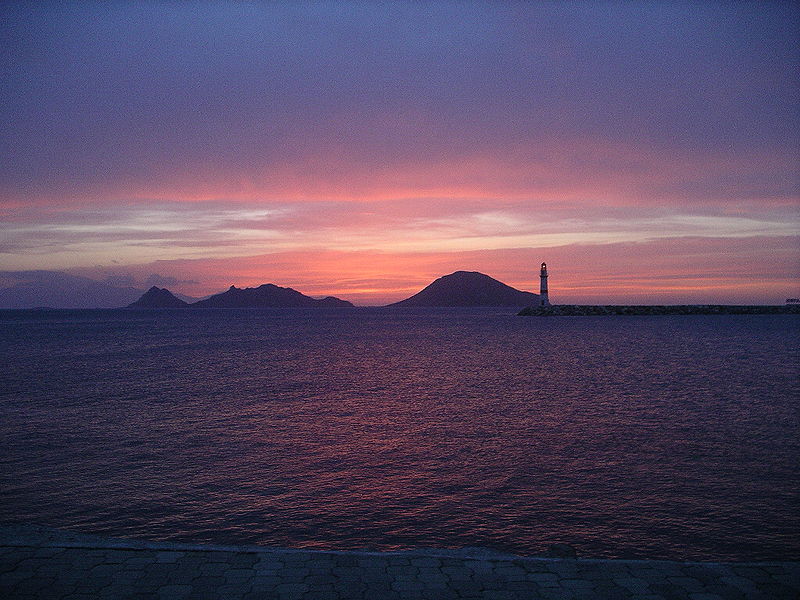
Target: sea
x: 652, y: 437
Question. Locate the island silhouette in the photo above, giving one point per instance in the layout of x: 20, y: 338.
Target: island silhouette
x: 469, y: 288
x: 459, y: 289
x: 264, y: 296
x: 158, y: 298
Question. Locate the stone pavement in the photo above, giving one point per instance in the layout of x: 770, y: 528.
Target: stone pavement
x: 36, y: 562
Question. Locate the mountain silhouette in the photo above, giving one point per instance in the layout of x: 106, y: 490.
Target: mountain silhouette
x: 158, y: 298
x: 267, y: 296
x: 469, y: 288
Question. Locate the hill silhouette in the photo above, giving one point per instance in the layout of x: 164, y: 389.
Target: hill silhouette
x: 469, y: 288
x: 158, y: 298
x: 267, y: 296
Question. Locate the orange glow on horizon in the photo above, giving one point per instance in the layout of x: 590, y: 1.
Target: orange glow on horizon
x: 744, y: 270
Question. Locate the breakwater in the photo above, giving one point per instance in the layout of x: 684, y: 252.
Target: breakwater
x: 586, y: 310
x: 39, y: 563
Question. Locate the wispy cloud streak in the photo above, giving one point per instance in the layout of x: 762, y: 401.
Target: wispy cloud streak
x: 136, y: 133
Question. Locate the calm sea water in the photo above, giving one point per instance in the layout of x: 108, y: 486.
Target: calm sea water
x: 649, y: 437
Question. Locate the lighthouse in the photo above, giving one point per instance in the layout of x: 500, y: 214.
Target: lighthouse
x: 543, y: 300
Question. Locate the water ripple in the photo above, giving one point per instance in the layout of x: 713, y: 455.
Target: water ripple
x: 656, y: 437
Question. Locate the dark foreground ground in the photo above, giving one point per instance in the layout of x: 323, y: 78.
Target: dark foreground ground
x: 36, y: 562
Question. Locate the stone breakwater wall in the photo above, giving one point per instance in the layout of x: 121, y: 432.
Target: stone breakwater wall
x: 583, y: 310
x: 41, y: 564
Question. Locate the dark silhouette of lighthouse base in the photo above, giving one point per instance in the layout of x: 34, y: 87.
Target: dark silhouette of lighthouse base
x: 543, y: 299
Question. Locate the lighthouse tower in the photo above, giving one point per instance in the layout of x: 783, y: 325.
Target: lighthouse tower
x: 543, y: 299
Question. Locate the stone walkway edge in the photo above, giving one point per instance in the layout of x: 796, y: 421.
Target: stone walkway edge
x: 42, y: 563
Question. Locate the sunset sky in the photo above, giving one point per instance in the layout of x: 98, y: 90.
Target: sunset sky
x: 649, y: 152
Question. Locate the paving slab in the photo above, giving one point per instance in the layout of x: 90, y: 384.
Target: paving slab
x: 37, y: 563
